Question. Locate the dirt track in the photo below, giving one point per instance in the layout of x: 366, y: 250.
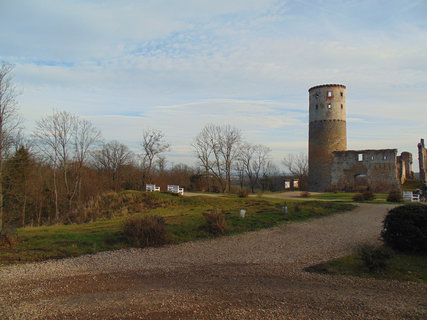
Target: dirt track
x: 257, y: 275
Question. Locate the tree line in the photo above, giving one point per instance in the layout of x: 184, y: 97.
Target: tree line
x: 45, y: 178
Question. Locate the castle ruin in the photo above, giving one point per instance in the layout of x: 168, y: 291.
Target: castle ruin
x: 422, y: 158
x: 333, y: 167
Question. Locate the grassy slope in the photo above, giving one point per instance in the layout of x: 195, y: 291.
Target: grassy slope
x: 184, y: 222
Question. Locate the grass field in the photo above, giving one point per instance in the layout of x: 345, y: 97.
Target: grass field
x: 402, y: 267
x: 379, y: 197
x: 184, y: 222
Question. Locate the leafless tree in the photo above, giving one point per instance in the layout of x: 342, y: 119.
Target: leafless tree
x: 112, y: 158
x: 9, y: 119
x: 153, y: 145
x: 297, y: 165
x: 253, y: 160
x: 269, y: 173
x: 217, y: 148
x: 64, y: 141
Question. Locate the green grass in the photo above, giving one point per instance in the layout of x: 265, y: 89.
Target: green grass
x: 402, y: 267
x: 347, y: 196
x: 184, y: 222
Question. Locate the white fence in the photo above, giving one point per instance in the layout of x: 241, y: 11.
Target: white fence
x: 175, y: 189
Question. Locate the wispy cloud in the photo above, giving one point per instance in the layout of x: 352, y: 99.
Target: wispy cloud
x: 177, y: 65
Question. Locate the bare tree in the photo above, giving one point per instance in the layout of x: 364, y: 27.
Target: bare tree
x: 253, y: 160
x: 112, y: 158
x: 64, y: 141
x: 153, y: 145
x: 9, y: 120
x: 217, y: 148
x: 297, y: 165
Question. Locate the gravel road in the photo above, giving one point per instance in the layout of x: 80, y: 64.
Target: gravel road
x: 257, y: 275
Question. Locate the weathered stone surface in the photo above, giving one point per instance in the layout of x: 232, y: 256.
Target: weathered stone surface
x: 332, y: 167
x: 422, y: 158
x: 327, y: 132
x: 373, y: 169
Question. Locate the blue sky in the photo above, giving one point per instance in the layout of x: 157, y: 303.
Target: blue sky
x: 130, y: 65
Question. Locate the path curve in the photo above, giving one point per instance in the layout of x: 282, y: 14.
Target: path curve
x: 257, y: 275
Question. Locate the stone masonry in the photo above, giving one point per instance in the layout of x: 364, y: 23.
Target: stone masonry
x: 332, y: 167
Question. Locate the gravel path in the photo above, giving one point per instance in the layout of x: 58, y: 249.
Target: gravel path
x: 256, y: 275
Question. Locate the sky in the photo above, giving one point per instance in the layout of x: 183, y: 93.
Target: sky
x: 177, y: 65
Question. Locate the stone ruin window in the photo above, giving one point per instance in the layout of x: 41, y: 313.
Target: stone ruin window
x: 329, y: 106
x: 342, y: 106
x: 329, y: 94
x: 372, y: 157
x: 360, y: 157
x: 342, y: 94
x: 317, y: 106
x: 384, y: 157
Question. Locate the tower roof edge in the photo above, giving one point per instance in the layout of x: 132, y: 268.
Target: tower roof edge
x: 327, y: 85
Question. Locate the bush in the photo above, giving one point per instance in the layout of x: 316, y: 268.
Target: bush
x: 243, y: 193
x: 216, y: 223
x: 364, y: 196
x: 147, y: 231
x: 405, y: 228
x: 358, y: 197
x: 395, y: 196
x: 368, y: 196
x: 376, y: 258
x: 9, y: 237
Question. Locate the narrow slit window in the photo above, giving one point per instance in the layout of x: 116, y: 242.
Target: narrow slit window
x: 342, y: 94
x: 317, y: 106
x: 360, y: 157
x: 329, y: 106
x: 372, y: 157
x: 342, y: 107
x: 385, y: 157
x: 329, y: 94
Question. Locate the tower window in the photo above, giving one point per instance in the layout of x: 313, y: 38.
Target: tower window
x: 329, y: 106
x: 317, y: 106
x: 329, y: 94
x: 342, y: 94
x: 360, y: 157
x: 342, y: 106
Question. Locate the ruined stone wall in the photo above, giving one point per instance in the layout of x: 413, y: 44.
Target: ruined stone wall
x: 327, y: 132
x: 406, y: 158
x: 422, y: 158
x: 404, y: 167
x: 356, y: 169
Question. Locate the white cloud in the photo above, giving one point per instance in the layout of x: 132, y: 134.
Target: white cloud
x: 177, y: 65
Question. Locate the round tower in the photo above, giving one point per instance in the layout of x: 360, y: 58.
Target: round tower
x: 327, y: 132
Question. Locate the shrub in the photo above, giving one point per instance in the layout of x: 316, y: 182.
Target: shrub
x: 305, y: 194
x: 216, y: 223
x: 376, y: 259
x: 9, y: 237
x: 368, y: 195
x: 146, y: 231
x: 405, y: 228
x: 358, y: 197
x: 243, y: 193
x: 395, y: 196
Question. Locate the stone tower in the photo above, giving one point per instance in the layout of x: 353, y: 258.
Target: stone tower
x: 327, y: 132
